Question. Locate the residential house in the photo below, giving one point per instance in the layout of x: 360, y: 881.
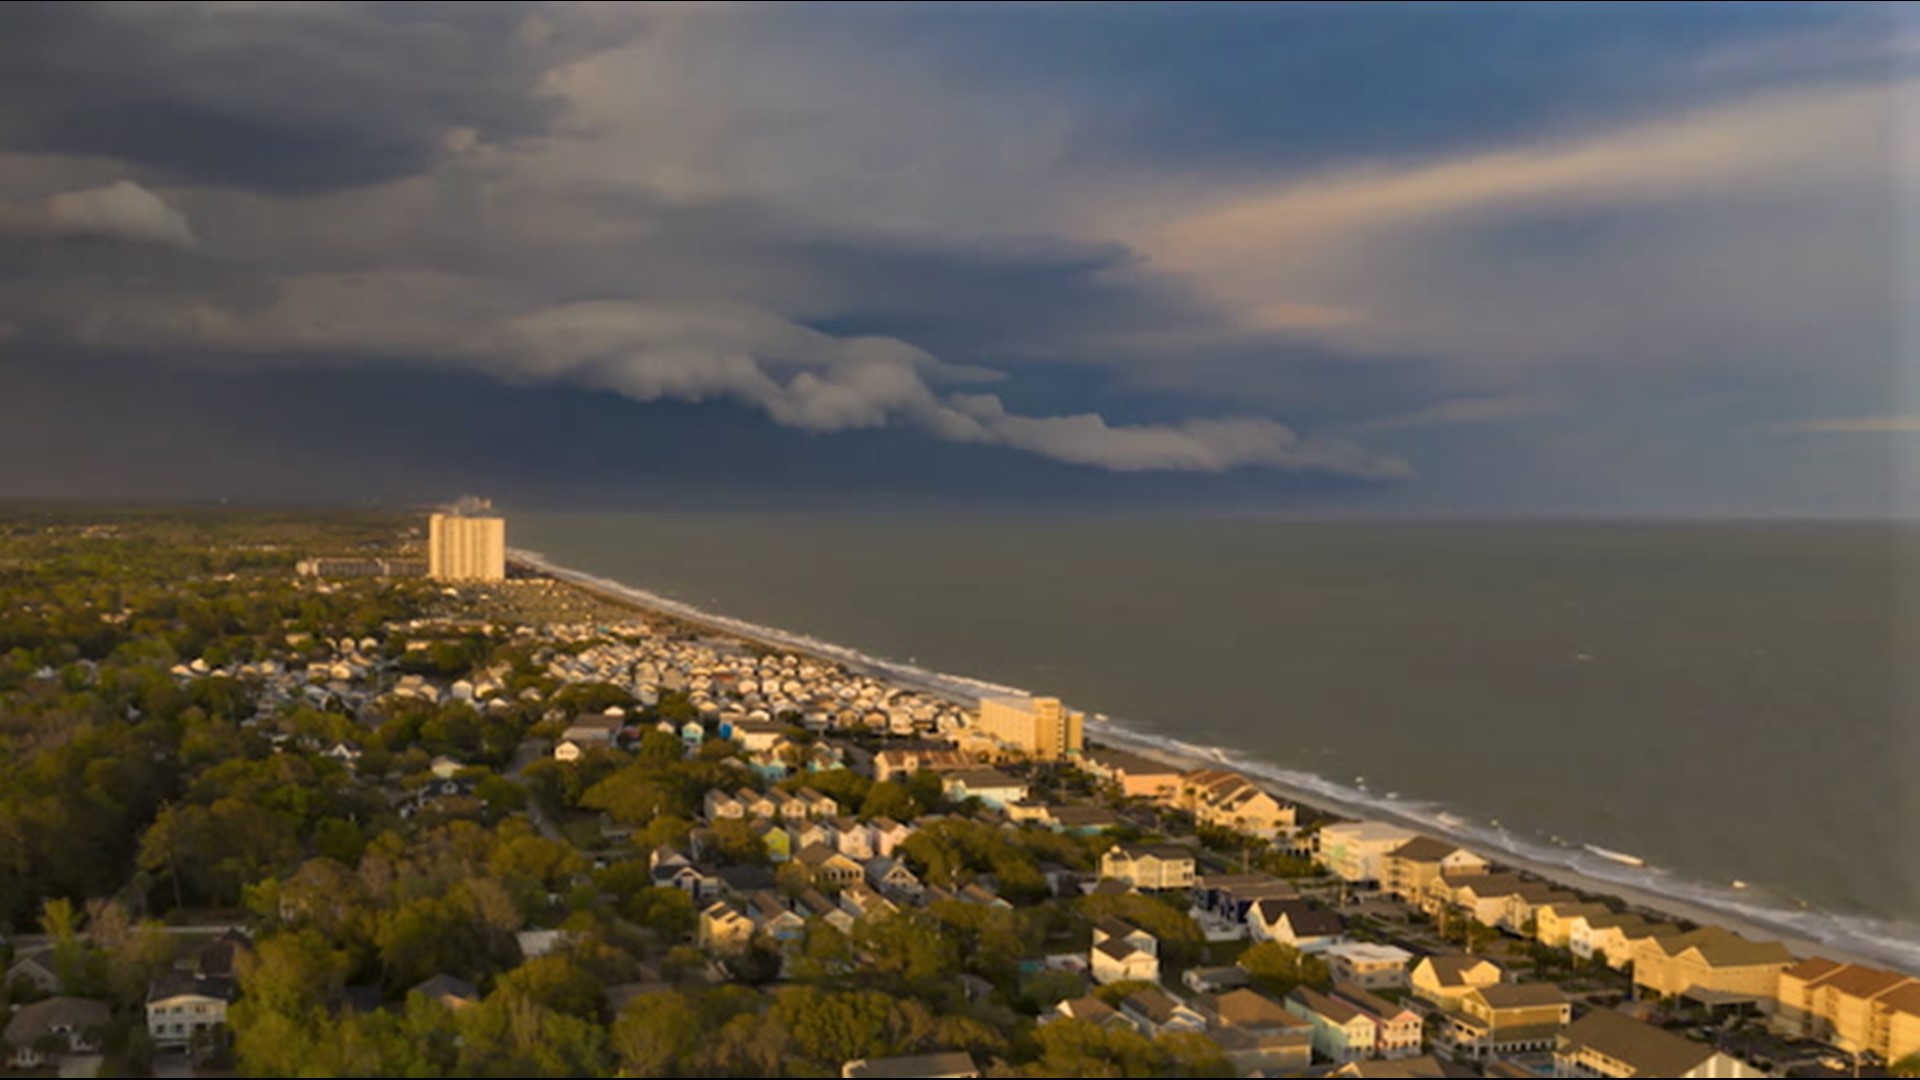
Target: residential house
x: 1712, y: 965
x: 1609, y: 1043
x: 1221, y: 799
x: 990, y: 786
x: 862, y: 902
x: 851, y: 838
x: 819, y: 807
x: 758, y: 805
x: 1296, y: 923
x: 1553, y: 923
x: 181, y: 1007
x: 772, y: 917
x: 888, y: 835
x: 1412, y: 866
x: 893, y: 877
x: 898, y: 764
x: 1356, y: 851
x: 1081, y: 819
x: 1506, y: 1018
x: 1231, y: 896
x: 1136, y: 776
x: 775, y: 838
x: 1341, y: 1032
x: 828, y: 868
x: 946, y: 1063
x: 1376, y: 967
x: 814, y: 905
x: 45, y: 1031
x: 723, y: 927
x: 1397, y: 1029
x: 1856, y: 1008
x: 1446, y: 978
x: 1612, y: 939
x: 1256, y: 1032
x: 671, y: 869
x: 584, y: 734
x: 1154, y: 1012
x: 789, y: 807
x: 1149, y: 866
x: 1122, y: 951
x: 721, y: 805
x: 807, y: 832
x: 35, y: 969
x: 1089, y: 1010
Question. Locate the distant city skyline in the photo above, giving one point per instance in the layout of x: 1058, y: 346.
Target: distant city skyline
x: 1324, y: 259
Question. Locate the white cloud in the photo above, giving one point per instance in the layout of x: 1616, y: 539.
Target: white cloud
x: 1474, y: 410
x: 121, y: 210
x: 1752, y: 230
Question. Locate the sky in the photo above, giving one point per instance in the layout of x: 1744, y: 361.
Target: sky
x: 1352, y: 258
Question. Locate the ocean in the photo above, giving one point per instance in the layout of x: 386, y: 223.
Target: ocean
x: 1729, y: 702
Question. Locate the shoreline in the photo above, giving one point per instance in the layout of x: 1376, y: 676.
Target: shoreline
x: 1757, y: 923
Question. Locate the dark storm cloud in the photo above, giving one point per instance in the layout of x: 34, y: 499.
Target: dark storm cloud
x: 1297, y: 244
x: 297, y: 97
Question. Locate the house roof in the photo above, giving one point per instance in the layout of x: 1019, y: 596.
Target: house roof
x: 41, y: 1017
x: 1119, y: 948
x: 1813, y: 969
x: 1252, y: 1009
x: 1153, y: 1003
x: 947, y: 1063
x: 174, y: 984
x: 1424, y: 849
x: 1648, y: 1050
x: 1360, y: 997
x: 1721, y: 947
x: 1450, y: 969
x: 1333, y: 1009
x: 1864, y: 982
x: 1089, y: 1008
x: 1519, y: 995
x: 1115, y: 927
x: 1905, y: 999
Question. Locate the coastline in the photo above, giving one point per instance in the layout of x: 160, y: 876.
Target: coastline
x: 1754, y: 921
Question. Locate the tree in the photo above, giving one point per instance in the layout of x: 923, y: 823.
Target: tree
x: 657, y: 1034
x: 1906, y: 1066
x: 1278, y: 968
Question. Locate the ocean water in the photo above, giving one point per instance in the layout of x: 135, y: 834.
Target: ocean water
x: 1729, y: 702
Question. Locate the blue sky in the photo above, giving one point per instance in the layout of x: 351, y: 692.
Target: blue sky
x: 1330, y: 257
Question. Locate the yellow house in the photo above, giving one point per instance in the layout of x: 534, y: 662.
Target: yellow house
x: 1447, y: 978
x: 724, y: 928
x: 1507, y: 1018
x: 1553, y: 923
x: 1421, y: 860
x: 1858, y: 1009
x: 1711, y: 964
x: 1149, y: 866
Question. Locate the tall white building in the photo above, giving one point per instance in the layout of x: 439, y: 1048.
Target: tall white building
x: 467, y: 547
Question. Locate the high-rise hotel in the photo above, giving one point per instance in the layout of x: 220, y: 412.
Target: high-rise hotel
x: 467, y: 545
x: 1039, y: 727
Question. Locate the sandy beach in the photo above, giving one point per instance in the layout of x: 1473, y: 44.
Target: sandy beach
x: 966, y: 692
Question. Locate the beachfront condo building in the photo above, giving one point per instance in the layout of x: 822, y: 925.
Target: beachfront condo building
x: 467, y: 547
x: 1039, y: 727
